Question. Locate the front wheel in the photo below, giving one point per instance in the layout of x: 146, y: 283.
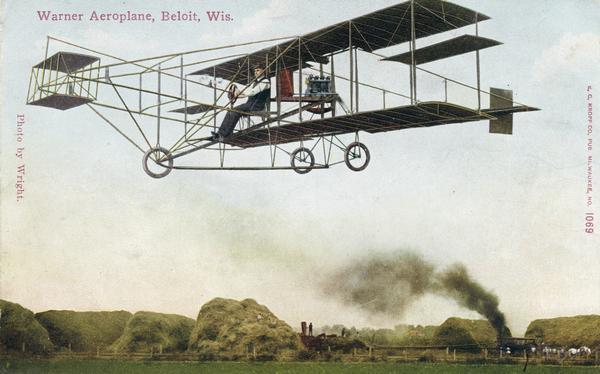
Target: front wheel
x: 302, y: 160
x: 357, y: 156
x: 156, y: 167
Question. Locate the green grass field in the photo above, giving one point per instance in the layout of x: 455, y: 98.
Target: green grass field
x: 128, y: 367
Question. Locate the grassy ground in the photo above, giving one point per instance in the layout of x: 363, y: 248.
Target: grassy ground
x: 101, y: 366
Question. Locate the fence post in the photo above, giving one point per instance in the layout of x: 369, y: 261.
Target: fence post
x: 98, y: 351
x: 485, y: 353
x: 160, y: 349
x: 23, y: 347
x: 370, y: 351
x: 151, y: 351
x: 254, y: 351
x: 454, y: 354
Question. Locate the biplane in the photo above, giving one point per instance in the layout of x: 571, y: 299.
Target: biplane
x: 170, y: 104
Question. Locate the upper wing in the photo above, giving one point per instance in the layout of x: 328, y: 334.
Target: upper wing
x: 370, y: 32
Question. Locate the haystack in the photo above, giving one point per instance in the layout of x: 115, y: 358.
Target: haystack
x: 415, y: 335
x: 574, y: 331
x: 149, y: 331
x: 465, y: 332
x: 18, y: 326
x: 231, y: 327
x: 83, y: 331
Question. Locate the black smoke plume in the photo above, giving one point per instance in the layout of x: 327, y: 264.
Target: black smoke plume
x: 389, y: 283
x: 382, y: 284
x: 457, y: 284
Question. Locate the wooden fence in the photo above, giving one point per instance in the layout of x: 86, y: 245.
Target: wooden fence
x: 389, y: 354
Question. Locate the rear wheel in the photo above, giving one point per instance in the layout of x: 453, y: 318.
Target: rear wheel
x: 302, y: 160
x: 154, y: 162
x: 357, y: 156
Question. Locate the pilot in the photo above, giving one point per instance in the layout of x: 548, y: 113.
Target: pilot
x: 257, y: 93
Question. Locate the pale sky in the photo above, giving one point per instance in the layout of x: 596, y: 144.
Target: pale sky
x: 94, y: 232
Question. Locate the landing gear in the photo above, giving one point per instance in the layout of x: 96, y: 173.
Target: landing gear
x: 357, y: 156
x: 302, y: 160
x: 158, y: 156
